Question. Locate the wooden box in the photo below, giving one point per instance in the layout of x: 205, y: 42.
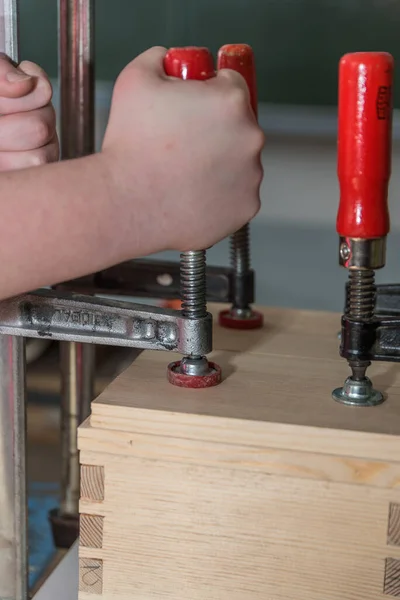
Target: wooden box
x: 262, y: 488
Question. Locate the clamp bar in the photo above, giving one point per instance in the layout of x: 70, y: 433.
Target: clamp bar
x: 77, y: 138
x: 74, y: 318
x: 13, y: 489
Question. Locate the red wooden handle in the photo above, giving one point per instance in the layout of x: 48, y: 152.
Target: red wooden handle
x: 240, y: 58
x: 189, y: 63
x: 364, y: 144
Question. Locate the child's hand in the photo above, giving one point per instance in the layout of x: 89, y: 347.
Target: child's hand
x: 189, y: 151
x: 27, y: 123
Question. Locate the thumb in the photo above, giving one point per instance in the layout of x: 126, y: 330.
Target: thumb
x: 13, y: 82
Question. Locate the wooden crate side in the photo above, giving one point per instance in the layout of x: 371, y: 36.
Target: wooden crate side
x: 181, y: 531
x: 95, y: 442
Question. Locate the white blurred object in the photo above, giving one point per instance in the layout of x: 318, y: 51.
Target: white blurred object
x: 35, y: 349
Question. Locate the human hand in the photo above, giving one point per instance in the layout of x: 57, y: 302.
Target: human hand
x: 190, y: 150
x: 27, y: 123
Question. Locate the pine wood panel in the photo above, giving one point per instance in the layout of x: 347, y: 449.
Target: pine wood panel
x: 262, y: 488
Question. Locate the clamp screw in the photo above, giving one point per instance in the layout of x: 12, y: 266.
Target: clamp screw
x: 344, y: 251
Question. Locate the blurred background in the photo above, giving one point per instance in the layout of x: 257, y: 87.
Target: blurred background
x: 298, y: 44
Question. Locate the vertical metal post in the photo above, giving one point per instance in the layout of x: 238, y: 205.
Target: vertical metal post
x: 76, y: 75
x: 13, y: 489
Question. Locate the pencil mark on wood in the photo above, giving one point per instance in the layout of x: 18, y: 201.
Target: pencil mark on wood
x: 91, y: 531
x: 92, y: 482
x: 392, y: 577
x: 393, y: 537
x: 91, y: 575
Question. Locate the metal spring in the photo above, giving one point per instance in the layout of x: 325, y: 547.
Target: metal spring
x: 193, y: 284
x: 361, y: 294
x: 240, y: 250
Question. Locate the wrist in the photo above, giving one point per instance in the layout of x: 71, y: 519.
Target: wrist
x: 141, y: 228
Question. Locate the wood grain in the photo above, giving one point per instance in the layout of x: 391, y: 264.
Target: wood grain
x: 394, y: 525
x: 92, y: 482
x: 91, y: 576
x: 179, y: 531
x: 91, y: 531
x: 392, y: 577
x: 262, y: 488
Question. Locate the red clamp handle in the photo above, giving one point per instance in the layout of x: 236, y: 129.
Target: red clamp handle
x: 364, y: 144
x: 240, y: 58
x: 189, y: 63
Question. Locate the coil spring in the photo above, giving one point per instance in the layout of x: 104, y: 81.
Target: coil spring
x: 361, y: 294
x: 240, y: 250
x: 193, y: 284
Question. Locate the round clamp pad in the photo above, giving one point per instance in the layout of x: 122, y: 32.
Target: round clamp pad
x: 176, y: 377
x: 231, y: 321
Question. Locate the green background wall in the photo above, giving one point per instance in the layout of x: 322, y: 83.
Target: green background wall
x: 297, y: 42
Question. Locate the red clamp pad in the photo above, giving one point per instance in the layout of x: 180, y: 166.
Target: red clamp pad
x: 364, y: 143
x: 194, y: 381
x: 229, y: 320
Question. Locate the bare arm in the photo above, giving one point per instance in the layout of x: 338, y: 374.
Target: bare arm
x: 180, y: 169
x: 66, y: 229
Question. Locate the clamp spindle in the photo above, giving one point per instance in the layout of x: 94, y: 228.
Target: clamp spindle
x: 192, y: 371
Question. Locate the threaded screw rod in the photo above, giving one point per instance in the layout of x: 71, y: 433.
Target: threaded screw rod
x: 360, y: 307
x: 361, y: 294
x: 193, y: 284
x: 240, y: 250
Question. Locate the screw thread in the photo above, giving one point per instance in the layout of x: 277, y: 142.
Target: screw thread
x: 240, y: 250
x: 361, y: 294
x: 193, y: 284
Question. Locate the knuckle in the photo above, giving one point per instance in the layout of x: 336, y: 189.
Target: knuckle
x: 237, y: 101
x: 42, y: 130
x: 259, y: 139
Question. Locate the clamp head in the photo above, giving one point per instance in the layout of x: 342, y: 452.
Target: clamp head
x: 364, y: 144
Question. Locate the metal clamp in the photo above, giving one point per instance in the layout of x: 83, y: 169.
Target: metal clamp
x: 75, y: 318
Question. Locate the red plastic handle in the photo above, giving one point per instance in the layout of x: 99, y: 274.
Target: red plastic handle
x: 364, y: 144
x: 240, y: 58
x: 189, y: 63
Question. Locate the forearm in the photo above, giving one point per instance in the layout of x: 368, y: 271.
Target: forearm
x: 59, y: 222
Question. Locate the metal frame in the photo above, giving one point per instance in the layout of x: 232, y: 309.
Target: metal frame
x: 13, y: 497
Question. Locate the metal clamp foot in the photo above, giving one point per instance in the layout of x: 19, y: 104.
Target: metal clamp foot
x: 358, y: 393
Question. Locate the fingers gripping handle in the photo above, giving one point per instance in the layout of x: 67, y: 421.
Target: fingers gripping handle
x: 240, y: 58
x: 189, y: 63
x: 364, y: 143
